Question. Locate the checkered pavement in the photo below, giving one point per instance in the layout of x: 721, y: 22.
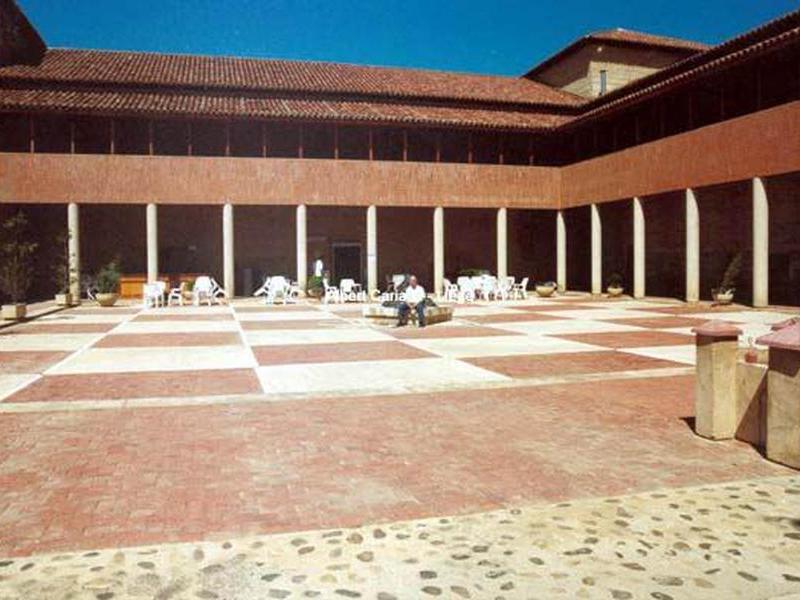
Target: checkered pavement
x: 126, y: 353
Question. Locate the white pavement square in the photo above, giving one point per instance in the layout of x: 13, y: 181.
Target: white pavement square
x: 391, y: 376
x: 122, y: 360
x: 47, y: 342
x: 565, y: 326
x: 603, y: 314
x: 682, y: 354
x: 11, y: 383
x: 288, y: 315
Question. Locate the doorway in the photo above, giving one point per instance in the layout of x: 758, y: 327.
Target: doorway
x: 347, y: 262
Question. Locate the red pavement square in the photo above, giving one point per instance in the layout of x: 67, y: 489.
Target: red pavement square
x: 17, y: 362
x: 294, y: 324
x: 353, y: 351
x: 152, y: 384
x: 630, y: 339
x: 572, y: 363
x: 511, y: 317
x: 446, y: 331
x: 71, y: 480
x: 274, y: 308
x: 97, y: 310
x: 561, y: 305
x: 152, y: 340
x: 57, y: 328
x: 659, y: 322
x: 185, y: 317
x: 702, y: 307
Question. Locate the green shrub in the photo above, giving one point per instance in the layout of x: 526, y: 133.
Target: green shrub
x: 615, y: 280
x: 473, y: 272
x: 16, y: 258
x: 314, y: 286
x: 107, y: 279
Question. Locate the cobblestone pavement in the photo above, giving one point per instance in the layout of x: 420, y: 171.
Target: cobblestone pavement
x: 738, y: 540
x: 171, y: 430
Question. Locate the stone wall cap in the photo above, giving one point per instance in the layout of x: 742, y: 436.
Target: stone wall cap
x: 787, y: 338
x: 785, y: 323
x: 717, y: 329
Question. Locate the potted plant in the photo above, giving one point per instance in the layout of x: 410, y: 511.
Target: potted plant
x: 723, y: 293
x: 16, y: 265
x: 107, y: 284
x: 615, y: 285
x: 315, y: 287
x: 61, y: 273
x: 545, y: 289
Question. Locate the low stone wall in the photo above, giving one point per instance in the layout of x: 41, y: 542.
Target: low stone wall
x: 387, y: 315
x: 751, y: 403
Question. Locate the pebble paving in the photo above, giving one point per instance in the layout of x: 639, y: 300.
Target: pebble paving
x: 725, y: 541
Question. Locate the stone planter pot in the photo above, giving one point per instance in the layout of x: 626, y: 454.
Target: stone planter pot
x: 14, y: 312
x: 107, y: 299
x: 723, y: 298
x: 545, y: 291
x: 615, y: 292
x: 64, y: 299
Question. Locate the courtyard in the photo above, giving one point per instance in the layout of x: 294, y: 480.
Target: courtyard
x: 534, y: 448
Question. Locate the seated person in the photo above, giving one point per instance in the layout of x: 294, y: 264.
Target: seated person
x: 414, y: 299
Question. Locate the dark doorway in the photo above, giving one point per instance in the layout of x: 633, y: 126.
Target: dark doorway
x: 347, y: 262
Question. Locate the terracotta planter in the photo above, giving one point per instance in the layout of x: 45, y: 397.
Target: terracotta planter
x: 545, y: 291
x: 14, y: 312
x: 107, y: 299
x: 723, y: 298
x: 64, y: 299
x: 615, y: 292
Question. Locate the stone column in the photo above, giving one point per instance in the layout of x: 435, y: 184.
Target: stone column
x: 561, y: 252
x: 302, y: 261
x: 597, y: 252
x: 152, y: 243
x: 783, y: 395
x: 372, y: 249
x: 692, y: 247
x: 715, y: 383
x: 438, y: 250
x: 74, y: 251
x: 502, y: 243
x: 760, y: 244
x: 638, y: 249
x: 228, y: 261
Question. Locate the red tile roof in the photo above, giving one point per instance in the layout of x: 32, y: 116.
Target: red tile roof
x: 212, y: 72
x: 156, y: 103
x: 646, y: 39
x: 623, y: 37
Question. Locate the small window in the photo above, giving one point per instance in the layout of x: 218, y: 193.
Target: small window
x: 603, y: 81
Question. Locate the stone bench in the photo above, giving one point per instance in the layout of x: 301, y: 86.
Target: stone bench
x: 388, y: 315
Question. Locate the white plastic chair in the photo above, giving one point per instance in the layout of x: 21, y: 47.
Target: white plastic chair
x: 466, y: 290
x: 331, y: 293
x: 278, y: 287
x: 153, y: 294
x: 450, y: 290
x: 520, y: 290
x: 263, y: 289
x: 349, y: 289
x: 218, y: 293
x: 177, y: 293
x: 203, y: 288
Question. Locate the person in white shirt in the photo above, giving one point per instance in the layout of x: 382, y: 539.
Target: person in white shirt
x: 413, y: 299
x: 318, y: 267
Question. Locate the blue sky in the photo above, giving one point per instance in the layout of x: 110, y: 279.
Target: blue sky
x: 503, y: 37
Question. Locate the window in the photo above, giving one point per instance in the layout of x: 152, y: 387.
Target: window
x: 603, y: 81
